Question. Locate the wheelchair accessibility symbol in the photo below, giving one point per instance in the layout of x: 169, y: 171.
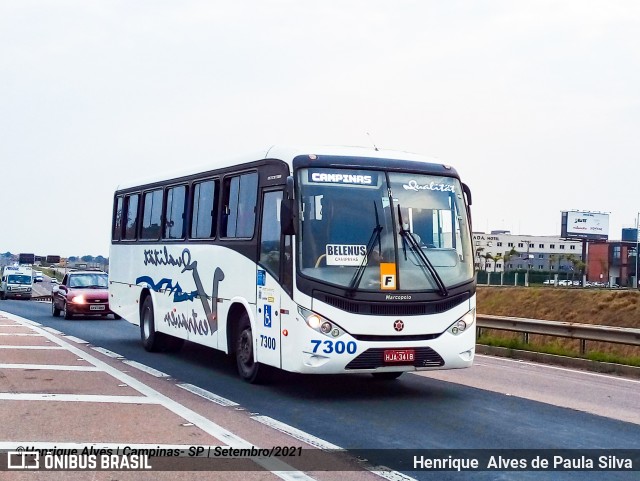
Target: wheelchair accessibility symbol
x: 267, y: 315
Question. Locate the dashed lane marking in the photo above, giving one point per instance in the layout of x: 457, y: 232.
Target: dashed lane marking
x: 207, y: 395
x: 107, y: 352
x: 145, y: 368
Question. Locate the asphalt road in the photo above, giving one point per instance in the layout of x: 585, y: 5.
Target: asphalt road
x: 416, y: 412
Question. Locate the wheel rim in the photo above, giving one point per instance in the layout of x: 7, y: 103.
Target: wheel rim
x: 146, y: 328
x: 245, y: 351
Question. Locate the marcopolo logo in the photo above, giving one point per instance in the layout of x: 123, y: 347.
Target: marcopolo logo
x: 395, y: 297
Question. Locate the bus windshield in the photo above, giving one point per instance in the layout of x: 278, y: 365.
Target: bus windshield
x: 383, y: 231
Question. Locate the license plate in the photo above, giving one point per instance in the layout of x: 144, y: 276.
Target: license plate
x: 399, y: 355
x: 96, y: 308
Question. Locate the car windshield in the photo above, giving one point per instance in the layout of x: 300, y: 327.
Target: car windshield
x: 19, y: 279
x: 88, y: 281
x: 372, y: 230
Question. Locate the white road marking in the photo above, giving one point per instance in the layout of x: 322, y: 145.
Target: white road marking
x: 559, y: 368
x: 76, y: 339
x: 107, y: 352
x: 145, y: 368
x: 207, y: 395
x: 49, y: 367
x: 295, y: 433
x: 53, y: 331
x: 46, y: 348
x: 90, y: 398
x: 19, y: 334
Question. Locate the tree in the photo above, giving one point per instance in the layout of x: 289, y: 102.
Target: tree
x: 479, y: 256
x: 496, y: 259
x: 509, y: 255
x: 487, y: 257
x: 561, y: 257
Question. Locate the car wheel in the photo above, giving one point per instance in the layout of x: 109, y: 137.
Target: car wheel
x: 387, y: 376
x: 55, y: 312
x: 249, y: 370
x: 116, y: 316
x: 65, y: 312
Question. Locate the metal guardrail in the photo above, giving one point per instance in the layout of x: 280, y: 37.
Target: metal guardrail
x: 583, y: 332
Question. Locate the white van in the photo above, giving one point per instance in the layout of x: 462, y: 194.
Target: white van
x: 16, y: 282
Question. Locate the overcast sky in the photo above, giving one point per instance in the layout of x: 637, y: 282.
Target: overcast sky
x: 536, y: 104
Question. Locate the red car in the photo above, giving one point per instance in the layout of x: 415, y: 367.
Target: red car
x: 82, y: 293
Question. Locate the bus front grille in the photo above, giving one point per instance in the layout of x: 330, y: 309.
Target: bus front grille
x: 374, y: 358
x: 392, y: 308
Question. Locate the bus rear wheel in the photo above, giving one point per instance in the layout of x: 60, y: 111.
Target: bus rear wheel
x: 249, y: 369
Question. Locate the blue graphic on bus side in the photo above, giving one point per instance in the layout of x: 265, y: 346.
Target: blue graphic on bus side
x: 267, y: 315
x: 167, y: 284
x: 261, y: 277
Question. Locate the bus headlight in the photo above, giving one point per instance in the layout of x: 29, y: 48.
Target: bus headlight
x: 464, y: 323
x: 320, y: 324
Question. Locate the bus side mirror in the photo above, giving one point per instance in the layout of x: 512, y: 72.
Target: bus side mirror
x: 288, y: 212
x: 288, y: 217
x: 467, y: 193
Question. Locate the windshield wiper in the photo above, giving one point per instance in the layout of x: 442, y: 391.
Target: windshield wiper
x: 375, y: 235
x: 408, y: 237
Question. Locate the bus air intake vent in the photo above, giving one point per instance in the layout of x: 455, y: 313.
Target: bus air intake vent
x: 408, y: 308
x: 374, y: 358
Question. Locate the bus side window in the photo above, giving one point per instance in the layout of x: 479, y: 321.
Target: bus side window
x: 270, y: 234
x: 239, y: 207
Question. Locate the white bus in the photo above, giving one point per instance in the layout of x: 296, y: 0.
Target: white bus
x: 319, y: 260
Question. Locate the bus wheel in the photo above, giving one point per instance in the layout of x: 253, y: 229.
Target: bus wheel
x: 148, y: 333
x: 248, y: 369
x: 151, y: 340
x: 387, y: 376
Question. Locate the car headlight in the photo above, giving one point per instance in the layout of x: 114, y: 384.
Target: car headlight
x: 79, y: 299
x: 320, y: 324
x: 464, y: 323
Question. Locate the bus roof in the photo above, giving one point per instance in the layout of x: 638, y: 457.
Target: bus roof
x: 287, y: 154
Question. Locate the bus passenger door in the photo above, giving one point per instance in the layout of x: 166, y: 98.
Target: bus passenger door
x: 267, y: 338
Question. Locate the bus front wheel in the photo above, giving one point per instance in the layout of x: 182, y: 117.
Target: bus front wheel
x: 148, y: 333
x: 151, y: 340
x: 249, y: 369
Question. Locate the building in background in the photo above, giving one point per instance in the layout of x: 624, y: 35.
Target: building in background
x: 501, y: 251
